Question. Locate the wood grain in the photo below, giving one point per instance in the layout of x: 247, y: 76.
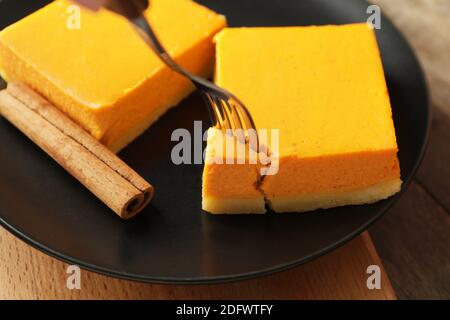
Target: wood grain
x: 26, y: 273
x: 414, y: 238
x: 414, y: 241
x: 434, y: 174
x: 426, y: 25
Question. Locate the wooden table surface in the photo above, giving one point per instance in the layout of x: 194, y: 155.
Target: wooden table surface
x: 26, y: 273
x: 412, y: 240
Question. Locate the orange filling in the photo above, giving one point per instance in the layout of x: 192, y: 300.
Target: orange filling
x: 324, y: 89
x: 102, y: 74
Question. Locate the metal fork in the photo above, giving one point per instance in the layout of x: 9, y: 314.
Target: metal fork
x: 225, y: 110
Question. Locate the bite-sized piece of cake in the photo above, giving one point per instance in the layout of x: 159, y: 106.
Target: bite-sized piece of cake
x: 230, y: 178
x: 100, y: 72
x: 324, y: 89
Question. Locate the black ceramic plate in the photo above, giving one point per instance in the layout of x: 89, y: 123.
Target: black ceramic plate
x: 173, y: 241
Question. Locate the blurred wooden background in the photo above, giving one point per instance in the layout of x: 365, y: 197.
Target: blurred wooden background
x: 413, y: 240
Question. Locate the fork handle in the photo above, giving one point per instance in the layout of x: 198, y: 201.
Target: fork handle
x: 152, y: 40
x: 128, y: 8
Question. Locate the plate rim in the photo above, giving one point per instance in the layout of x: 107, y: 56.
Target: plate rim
x: 260, y: 272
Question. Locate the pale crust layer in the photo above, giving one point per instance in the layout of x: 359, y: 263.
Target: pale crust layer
x: 304, y: 203
x: 316, y: 201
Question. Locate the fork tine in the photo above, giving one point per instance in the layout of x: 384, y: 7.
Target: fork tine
x: 211, y: 110
x: 212, y: 115
x: 246, y: 118
x: 227, y: 124
x: 242, y: 110
x: 240, y: 127
x: 237, y: 123
x: 218, y: 116
x: 242, y: 118
x: 228, y: 113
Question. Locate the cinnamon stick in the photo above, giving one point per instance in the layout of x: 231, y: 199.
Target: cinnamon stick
x: 95, y: 166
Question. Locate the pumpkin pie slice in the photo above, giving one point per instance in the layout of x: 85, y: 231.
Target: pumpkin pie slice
x: 323, y: 88
x: 99, y: 71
